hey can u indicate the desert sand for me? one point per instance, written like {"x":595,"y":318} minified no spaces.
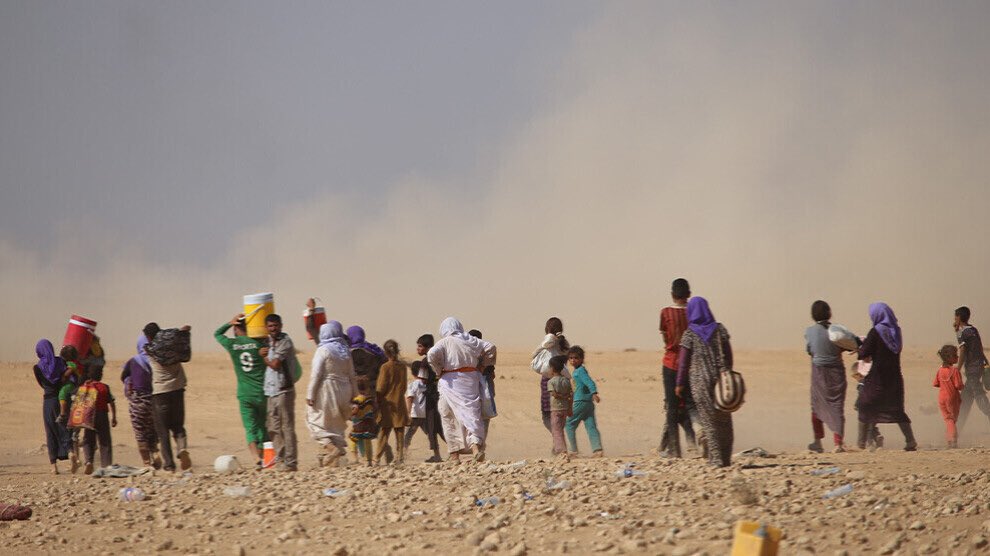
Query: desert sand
{"x":927,"y":502}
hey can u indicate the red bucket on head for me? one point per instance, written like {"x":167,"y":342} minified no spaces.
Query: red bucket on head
{"x":319,"y":319}
{"x":79,"y":334}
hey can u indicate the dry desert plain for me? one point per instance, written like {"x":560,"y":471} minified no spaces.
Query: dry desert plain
{"x":933,"y":501}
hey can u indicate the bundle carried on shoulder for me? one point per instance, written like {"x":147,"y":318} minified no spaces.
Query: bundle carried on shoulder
{"x":842,"y":337}
{"x":170,"y":346}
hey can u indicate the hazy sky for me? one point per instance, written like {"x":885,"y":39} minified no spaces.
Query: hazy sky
{"x":499,"y":162}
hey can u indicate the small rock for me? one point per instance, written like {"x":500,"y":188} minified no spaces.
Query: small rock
{"x":475,"y":538}
{"x":916,"y":526}
{"x":978,"y":542}
{"x":238,"y":550}
{"x":163,"y":546}
{"x":518,"y":550}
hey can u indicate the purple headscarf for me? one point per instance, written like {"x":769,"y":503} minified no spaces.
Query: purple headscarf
{"x":885,"y":323}
{"x":356,"y":335}
{"x":52,"y":367}
{"x":142,"y":357}
{"x":701,"y":321}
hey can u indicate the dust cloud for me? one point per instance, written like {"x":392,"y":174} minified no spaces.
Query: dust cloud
{"x":770,"y":156}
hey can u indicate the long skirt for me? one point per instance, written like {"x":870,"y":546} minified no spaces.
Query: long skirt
{"x":327,"y":418}
{"x":828,"y":396}
{"x":143,"y":421}
{"x":460,"y":406}
{"x":715,"y":424}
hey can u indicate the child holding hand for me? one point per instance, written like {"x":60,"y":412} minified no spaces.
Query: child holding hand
{"x":364,"y":421}
{"x":949,"y":382}
{"x":561,"y":400}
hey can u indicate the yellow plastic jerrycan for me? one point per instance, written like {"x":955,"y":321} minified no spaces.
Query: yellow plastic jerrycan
{"x":755,"y":539}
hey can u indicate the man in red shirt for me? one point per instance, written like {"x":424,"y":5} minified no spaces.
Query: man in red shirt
{"x":673,"y":323}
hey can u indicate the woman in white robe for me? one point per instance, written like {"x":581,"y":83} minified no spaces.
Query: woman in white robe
{"x":332,"y":384}
{"x":455,"y":358}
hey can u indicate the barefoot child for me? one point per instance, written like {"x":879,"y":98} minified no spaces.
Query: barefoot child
{"x":364,"y":421}
{"x":949,"y":383}
{"x":561,"y":397}
{"x":585,"y":398}
{"x":434,"y":428}
{"x":392,"y":413}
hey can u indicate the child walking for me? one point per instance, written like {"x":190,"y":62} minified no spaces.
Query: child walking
{"x":585,"y":398}
{"x":416,"y":406}
{"x":393,"y":415}
{"x":559,"y":388}
{"x":364,"y":421}
{"x":104,"y":417}
{"x":949,"y":382}
{"x":434,"y":429}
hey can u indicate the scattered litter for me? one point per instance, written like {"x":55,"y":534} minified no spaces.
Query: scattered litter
{"x":237,"y":491}
{"x":527,"y":496}
{"x":334,"y":493}
{"x":841,"y":491}
{"x":824,"y":471}
{"x":755,"y":453}
{"x":490,"y":501}
{"x":131,"y":494}
{"x":628,"y":471}
{"x":554,"y":484}
{"x":517,"y":465}
{"x":120,"y":472}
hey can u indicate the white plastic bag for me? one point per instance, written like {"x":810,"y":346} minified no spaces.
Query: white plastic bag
{"x":842,"y":337}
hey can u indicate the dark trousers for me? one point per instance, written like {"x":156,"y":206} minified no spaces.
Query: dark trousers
{"x":434,"y":428}
{"x":973,"y":392}
{"x":678,"y":412}
{"x":56,"y":437}
{"x":170,"y":417}
{"x":101,"y":433}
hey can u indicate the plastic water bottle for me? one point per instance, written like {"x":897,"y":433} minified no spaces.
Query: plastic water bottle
{"x":517,"y":465}
{"x":842,"y":490}
{"x":131,"y":494}
{"x":825,"y":471}
{"x":334,"y":493}
{"x":490,"y":501}
{"x":237,"y":491}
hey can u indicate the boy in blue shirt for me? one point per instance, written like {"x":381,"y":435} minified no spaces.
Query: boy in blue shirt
{"x":585,"y":398}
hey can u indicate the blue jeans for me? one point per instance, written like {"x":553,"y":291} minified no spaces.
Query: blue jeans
{"x":583,"y":411}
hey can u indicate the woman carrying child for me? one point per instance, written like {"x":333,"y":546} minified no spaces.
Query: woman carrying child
{"x":332,"y":385}
{"x":554,"y":345}
{"x":882,"y":397}
{"x":705,"y":350}
{"x":48,"y":372}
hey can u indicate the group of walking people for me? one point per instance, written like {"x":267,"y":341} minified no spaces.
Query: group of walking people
{"x":359,"y":392}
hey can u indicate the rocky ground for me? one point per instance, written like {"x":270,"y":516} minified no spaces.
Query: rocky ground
{"x":935,"y":502}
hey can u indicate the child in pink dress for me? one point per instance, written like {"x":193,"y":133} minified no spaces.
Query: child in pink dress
{"x":949,"y":383}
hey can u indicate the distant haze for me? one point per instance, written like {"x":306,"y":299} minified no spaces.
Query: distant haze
{"x":498,"y":163}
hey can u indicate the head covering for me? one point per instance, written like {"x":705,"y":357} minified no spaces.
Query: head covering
{"x":356,"y":335}
{"x":332,"y":338}
{"x":701,"y":321}
{"x":453,"y":327}
{"x":142,"y":357}
{"x":51,"y":367}
{"x":885,"y":324}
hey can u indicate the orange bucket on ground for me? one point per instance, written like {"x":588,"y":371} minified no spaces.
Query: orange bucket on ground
{"x":268,"y":455}
{"x":79,"y":334}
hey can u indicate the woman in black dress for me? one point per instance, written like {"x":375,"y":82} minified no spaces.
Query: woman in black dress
{"x":882,"y":397}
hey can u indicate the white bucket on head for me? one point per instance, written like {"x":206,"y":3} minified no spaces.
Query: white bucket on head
{"x":257,"y":307}
{"x":226,"y":464}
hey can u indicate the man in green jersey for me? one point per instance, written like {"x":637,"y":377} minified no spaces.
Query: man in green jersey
{"x":249,"y":368}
